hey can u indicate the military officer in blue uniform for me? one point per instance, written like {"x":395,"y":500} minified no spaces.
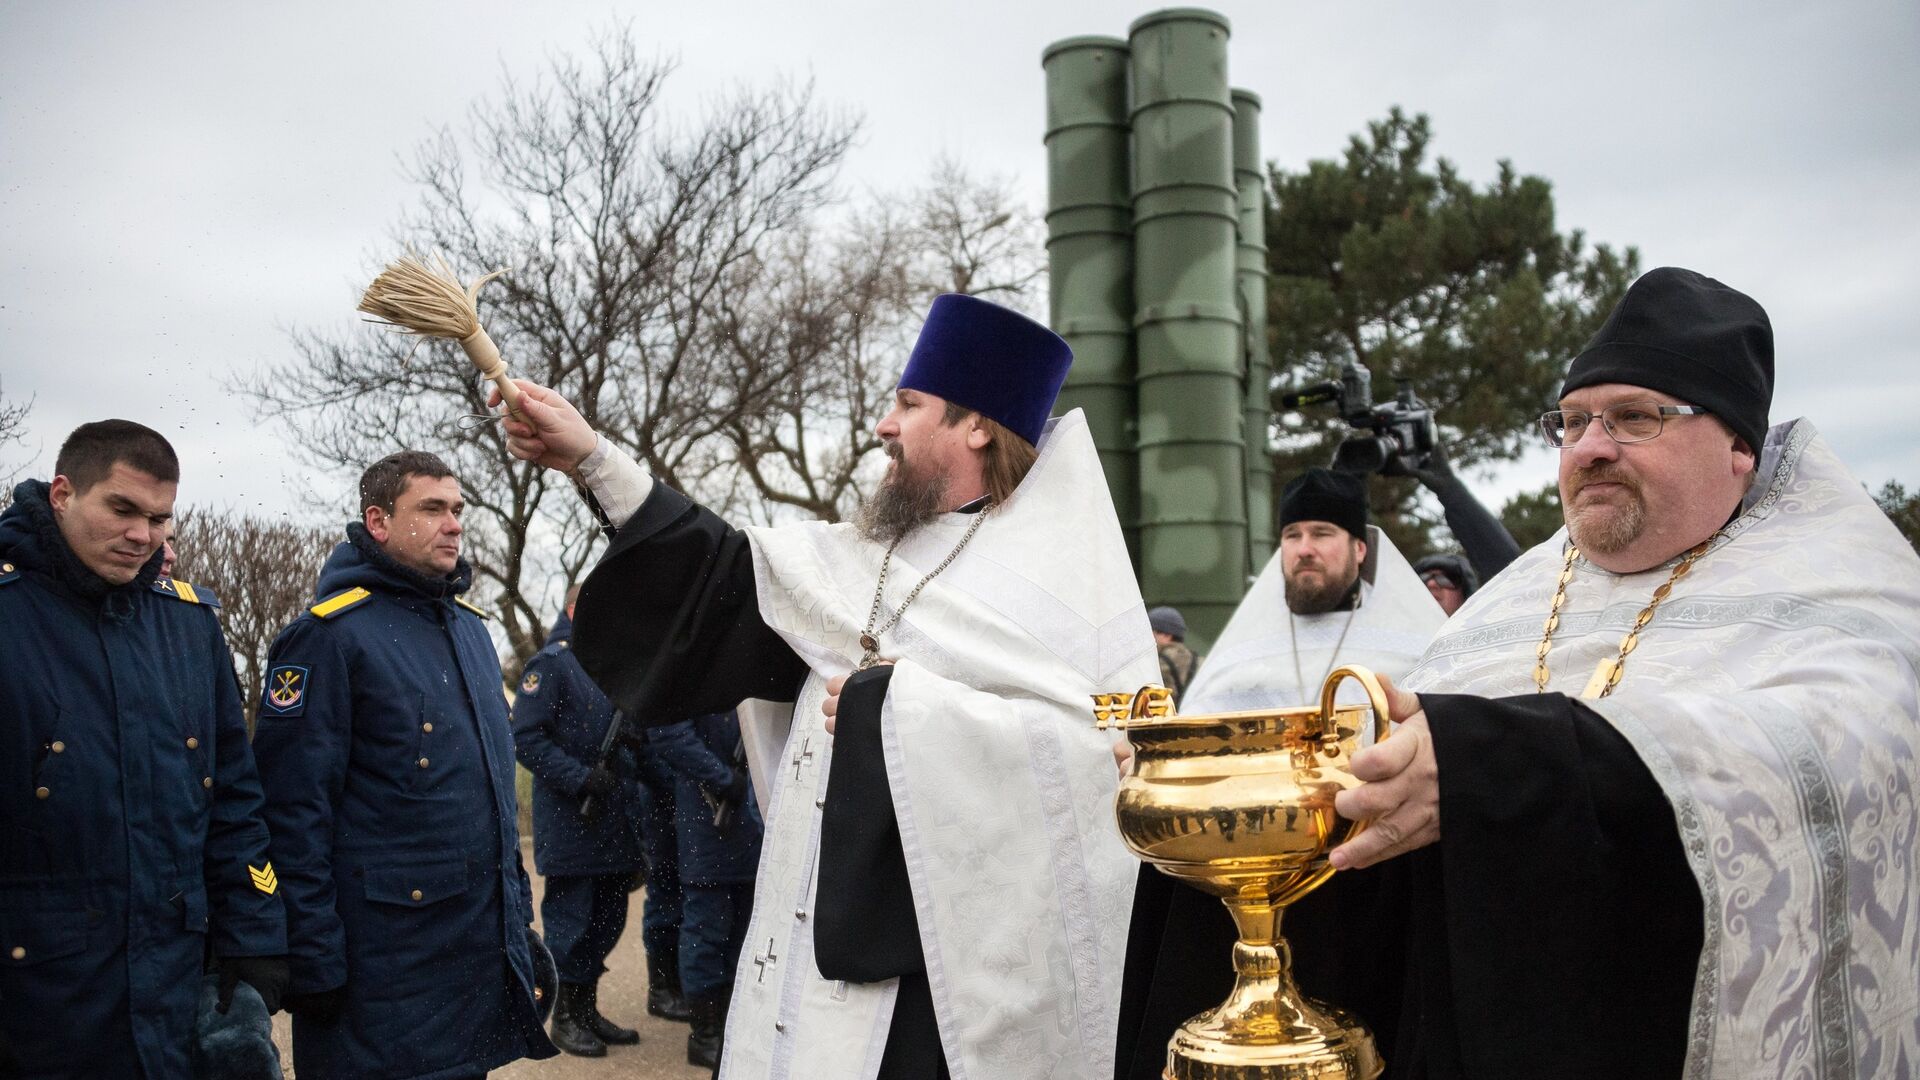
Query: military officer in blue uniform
{"x":560,"y":722}
{"x":718,"y":830}
{"x":388,"y":765}
{"x":131,"y":838}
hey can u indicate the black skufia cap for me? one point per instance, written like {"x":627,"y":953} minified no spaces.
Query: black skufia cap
{"x":1325,"y":495}
{"x":1685,"y":334}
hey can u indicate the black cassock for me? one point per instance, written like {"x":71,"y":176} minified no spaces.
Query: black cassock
{"x":1553,"y":932}
{"x":669,"y":625}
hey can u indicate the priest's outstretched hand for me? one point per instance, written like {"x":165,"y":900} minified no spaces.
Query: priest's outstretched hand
{"x":554,"y":433}
{"x":831,"y":706}
{"x":1401,"y":793}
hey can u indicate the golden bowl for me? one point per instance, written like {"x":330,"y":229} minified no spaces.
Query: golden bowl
{"x":1240,"y":805}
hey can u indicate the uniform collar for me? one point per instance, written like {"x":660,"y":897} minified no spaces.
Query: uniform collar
{"x":362,"y":562}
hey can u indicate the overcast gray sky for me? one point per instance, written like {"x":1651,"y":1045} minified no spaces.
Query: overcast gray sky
{"x":181,"y":182}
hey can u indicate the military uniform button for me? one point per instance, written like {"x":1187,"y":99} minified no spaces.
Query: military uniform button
{"x":41,"y":793}
{"x":801,"y":914}
{"x":57,"y":747}
{"x":423,"y":763}
{"x":206,"y":781}
{"x":19,"y":952}
{"x":193,"y":743}
{"x":416,"y":894}
{"x":6,"y":568}
{"x":779,"y":1025}
{"x":427,"y":727}
{"x":819,"y":804}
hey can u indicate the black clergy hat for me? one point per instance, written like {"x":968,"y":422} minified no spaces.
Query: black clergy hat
{"x":1325,"y":495}
{"x":1685,"y":334}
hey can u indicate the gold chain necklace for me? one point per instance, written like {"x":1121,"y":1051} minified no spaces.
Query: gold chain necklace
{"x":870,"y":637}
{"x":1606,"y":675}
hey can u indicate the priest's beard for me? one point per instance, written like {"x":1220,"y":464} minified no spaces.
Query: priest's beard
{"x":904,"y":502}
{"x":1321,"y":592}
{"x":1605,"y":524}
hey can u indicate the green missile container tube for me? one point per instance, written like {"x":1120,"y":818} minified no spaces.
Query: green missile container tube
{"x":1189,"y":357}
{"x":1090,"y":252}
{"x":1252,"y":280}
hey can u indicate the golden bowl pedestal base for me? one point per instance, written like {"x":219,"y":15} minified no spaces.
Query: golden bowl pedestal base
{"x":1266,"y":1030}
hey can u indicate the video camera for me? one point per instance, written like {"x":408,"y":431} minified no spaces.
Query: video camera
{"x":1398,"y":433}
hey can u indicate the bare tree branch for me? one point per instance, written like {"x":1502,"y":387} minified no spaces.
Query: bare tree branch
{"x":623,"y":233}
{"x":13,"y":429}
{"x":263,"y":573}
{"x":978,"y":237}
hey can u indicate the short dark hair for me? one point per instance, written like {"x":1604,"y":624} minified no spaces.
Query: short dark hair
{"x":91,"y":452}
{"x":385,"y":479}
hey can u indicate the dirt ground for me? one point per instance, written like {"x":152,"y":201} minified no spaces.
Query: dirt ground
{"x":662,"y":1052}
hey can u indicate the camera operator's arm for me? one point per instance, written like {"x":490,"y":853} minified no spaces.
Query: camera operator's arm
{"x":1488,"y":544}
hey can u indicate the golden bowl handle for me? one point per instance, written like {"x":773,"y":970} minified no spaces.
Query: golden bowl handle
{"x":1376,"y":697}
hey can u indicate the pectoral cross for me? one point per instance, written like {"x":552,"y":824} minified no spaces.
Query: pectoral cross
{"x":763,"y":960}
{"x":802,"y":755}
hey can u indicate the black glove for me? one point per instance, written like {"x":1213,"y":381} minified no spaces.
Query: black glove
{"x":322,"y":1007}
{"x":1432,"y":468}
{"x":599,"y":784}
{"x":268,"y":976}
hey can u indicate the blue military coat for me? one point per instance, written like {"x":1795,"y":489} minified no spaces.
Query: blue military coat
{"x":384,"y":747}
{"x":559,"y":720}
{"x":699,"y":755}
{"x":130,"y":827}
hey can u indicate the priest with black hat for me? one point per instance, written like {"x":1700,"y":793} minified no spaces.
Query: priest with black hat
{"x":1649,"y":809}
{"x":942,"y":889}
{"x":1336,"y":592}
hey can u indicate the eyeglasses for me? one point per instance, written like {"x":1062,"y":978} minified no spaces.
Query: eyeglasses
{"x":1628,"y":422}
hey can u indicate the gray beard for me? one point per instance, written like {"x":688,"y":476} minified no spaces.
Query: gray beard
{"x":900,"y":506}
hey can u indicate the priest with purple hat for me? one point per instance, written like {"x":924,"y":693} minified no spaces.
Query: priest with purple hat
{"x":941,"y":891}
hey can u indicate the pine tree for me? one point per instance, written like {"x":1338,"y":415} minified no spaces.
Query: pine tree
{"x":1471,"y":293}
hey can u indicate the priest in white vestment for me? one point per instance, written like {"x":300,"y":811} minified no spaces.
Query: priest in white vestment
{"x":1653,"y":804}
{"x":1336,"y":592}
{"x":942,"y":890}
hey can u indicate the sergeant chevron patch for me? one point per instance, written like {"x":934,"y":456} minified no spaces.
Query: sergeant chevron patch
{"x":264,"y":880}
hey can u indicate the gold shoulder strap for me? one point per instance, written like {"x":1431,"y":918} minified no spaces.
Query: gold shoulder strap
{"x":339,"y":602}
